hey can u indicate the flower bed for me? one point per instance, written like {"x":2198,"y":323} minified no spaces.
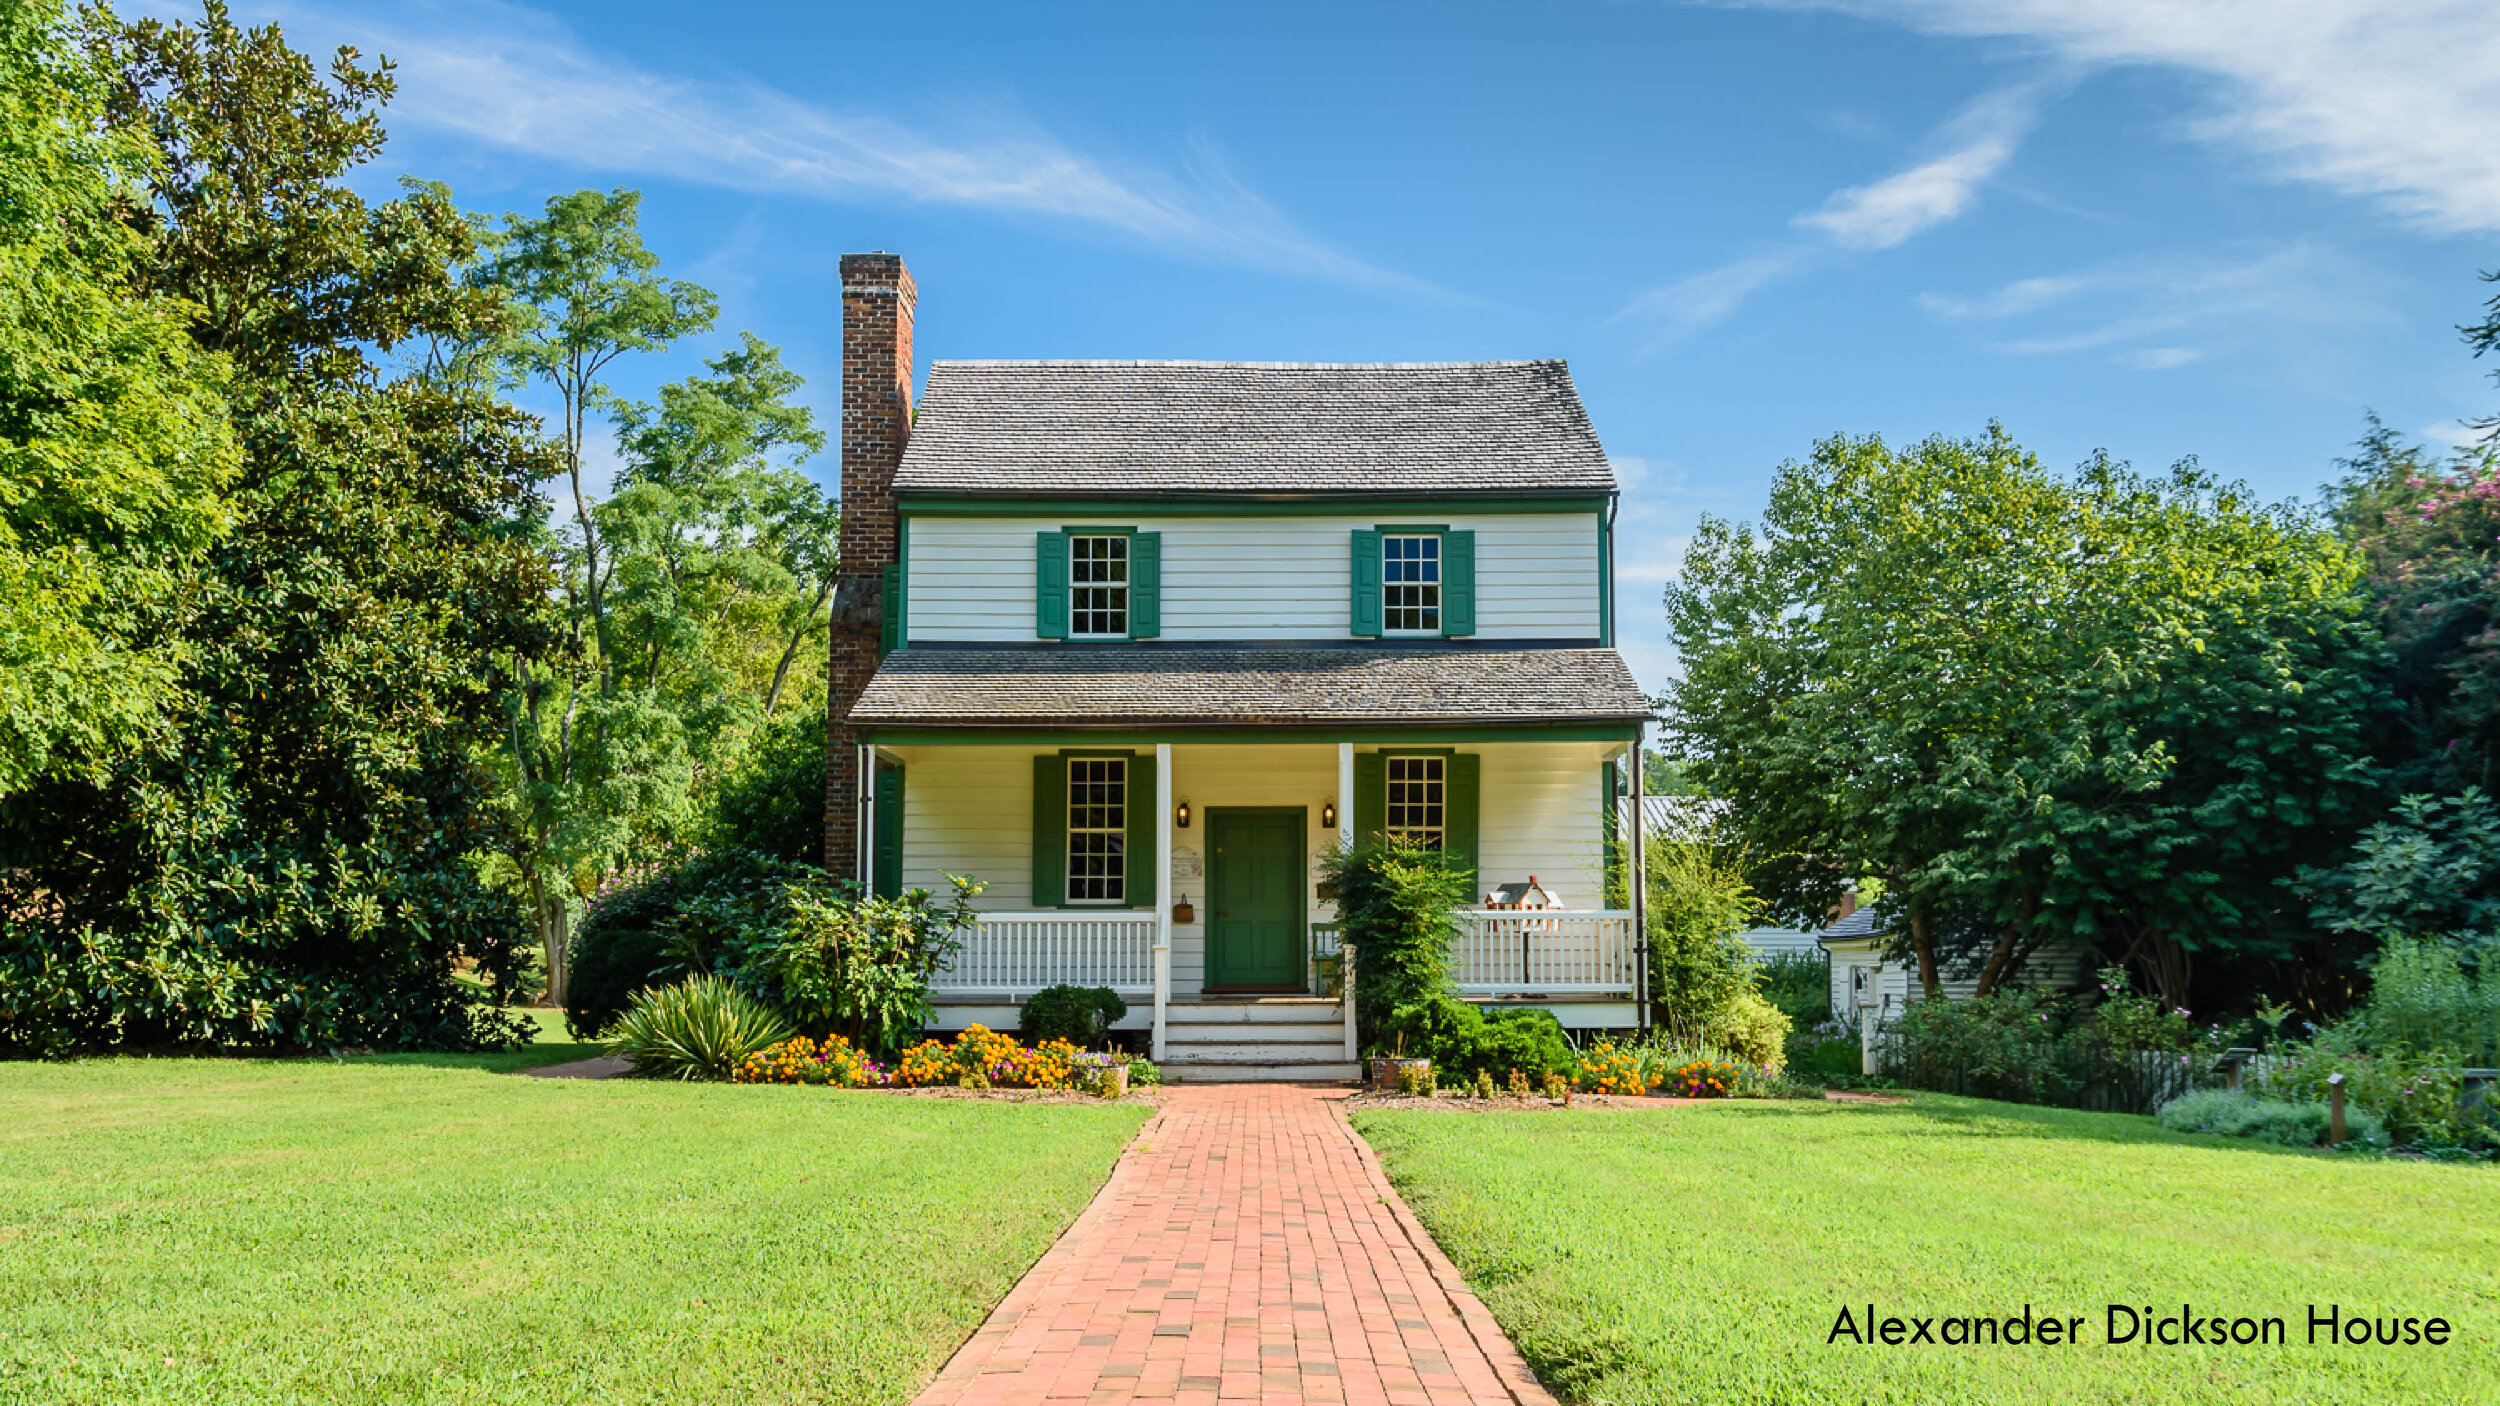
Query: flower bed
{"x":980,"y":1058}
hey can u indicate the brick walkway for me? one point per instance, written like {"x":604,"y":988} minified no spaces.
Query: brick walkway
{"x":1246,"y":1248}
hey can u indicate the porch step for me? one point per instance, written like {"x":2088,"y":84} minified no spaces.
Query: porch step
{"x":1203,"y":1067}
{"x":1180,"y":1025}
{"x":1255,"y":1010}
{"x":1284,"y":1051}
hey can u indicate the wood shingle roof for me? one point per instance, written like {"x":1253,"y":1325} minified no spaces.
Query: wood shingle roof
{"x":1234,"y":686}
{"x":1456,"y":428}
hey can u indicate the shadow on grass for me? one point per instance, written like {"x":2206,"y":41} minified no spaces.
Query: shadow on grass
{"x":533,"y":1056}
{"x":1955,"y":1114}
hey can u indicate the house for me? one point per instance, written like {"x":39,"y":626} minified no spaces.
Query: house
{"x":1137,"y":643}
{"x":1865,"y":980}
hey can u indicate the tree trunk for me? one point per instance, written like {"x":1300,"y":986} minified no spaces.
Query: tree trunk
{"x":555,"y":935}
{"x":1923,"y":942}
{"x":2001,"y":958}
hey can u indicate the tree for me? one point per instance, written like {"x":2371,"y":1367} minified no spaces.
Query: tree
{"x":2429,"y":537}
{"x":114,"y":444}
{"x":2104,"y":708}
{"x":585,"y":285}
{"x":291,"y":865}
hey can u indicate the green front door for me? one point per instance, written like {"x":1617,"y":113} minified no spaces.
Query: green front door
{"x":1254,"y":899}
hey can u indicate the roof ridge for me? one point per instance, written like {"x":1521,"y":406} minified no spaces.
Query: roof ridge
{"x":1252,"y":365}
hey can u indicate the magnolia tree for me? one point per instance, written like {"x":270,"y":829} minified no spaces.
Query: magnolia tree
{"x":2102,"y":707}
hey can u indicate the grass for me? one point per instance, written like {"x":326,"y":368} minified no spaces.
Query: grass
{"x":1704,"y":1253}
{"x":422,"y":1229}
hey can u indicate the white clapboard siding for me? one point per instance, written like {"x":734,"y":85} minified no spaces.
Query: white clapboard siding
{"x":968,"y":811}
{"x":1542,"y":814}
{"x":1891,"y":984}
{"x":1234,"y":578}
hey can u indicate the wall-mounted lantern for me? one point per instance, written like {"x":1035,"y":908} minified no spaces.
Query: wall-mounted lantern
{"x":1180,"y":815}
{"x":1328,"y":815}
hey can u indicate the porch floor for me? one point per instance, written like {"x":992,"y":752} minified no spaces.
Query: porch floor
{"x":1247,"y":1246}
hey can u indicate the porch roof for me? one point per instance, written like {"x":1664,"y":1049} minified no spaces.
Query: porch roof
{"x":1230,"y":686}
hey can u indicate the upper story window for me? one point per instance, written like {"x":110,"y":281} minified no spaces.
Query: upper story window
{"x":1410,"y":584}
{"x":1098,"y":588}
{"x":1097,"y":829}
{"x":1419,"y":800}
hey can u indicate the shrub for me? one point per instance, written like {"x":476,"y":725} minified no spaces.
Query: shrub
{"x":1080,"y":1015}
{"x":1698,"y":902}
{"x":699,"y":914}
{"x":1464,"y":1042}
{"x":1798,"y":985}
{"x":2230,"y":1113}
{"x":1394,"y":902}
{"x":701,"y":1028}
{"x":1142,"y":1073}
{"x":2421,"y":999}
{"x":838,"y":962}
{"x":773,"y":801}
{"x":620,"y":942}
{"x":1750,"y":1029}
{"x":2413,"y":1093}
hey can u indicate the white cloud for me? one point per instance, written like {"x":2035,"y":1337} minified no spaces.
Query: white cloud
{"x":1974,"y":144}
{"x":2398,"y":100}
{"x":2155,"y":314}
{"x":1689,"y":305}
{"x":1978,"y":142}
{"x":511,"y":78}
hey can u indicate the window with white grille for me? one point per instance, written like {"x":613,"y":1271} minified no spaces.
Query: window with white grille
{"x":1098,"y":587}
{"x":1097,"y":829}
{"x":1410,"y":584}
{"x":1418,"y":813}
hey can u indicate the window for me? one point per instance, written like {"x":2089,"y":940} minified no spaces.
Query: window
{"x":1410,"y":584}
{"x":1097,"y":829}
{"x":1098,"y":587}
{"x":1418,"y":809}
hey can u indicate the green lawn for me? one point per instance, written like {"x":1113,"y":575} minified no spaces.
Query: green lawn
{"x":1703,"y":1253}
{"x":424,"y":1229}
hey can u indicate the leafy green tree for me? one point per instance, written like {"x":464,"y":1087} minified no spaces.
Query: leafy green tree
{"x":114,"y":444}
{"x":2433,"y":866}
{"x":2103,"y":708}
{"x":1699,"y":900}
{"x":2429,"y":536}
{"x":292,"y":864}
{"x":588,"y":294}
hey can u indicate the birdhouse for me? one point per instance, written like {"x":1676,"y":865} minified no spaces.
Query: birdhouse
{"x":1530,"y":896}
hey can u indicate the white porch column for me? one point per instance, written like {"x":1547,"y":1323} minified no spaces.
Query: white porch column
{"x":1163,"y":891}
{"x":1639,"y":877}
{"x":1345,"y":794}
{"x":1345,"y":838}
{"x":864,"y":818}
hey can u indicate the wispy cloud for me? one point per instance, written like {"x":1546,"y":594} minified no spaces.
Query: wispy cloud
{"x":1976,"y":144}
{"x":2397,"y":100}
{"x":513,"y":79}
{"x":2156,"y":314}
{"x":1968,"y":150}
{"x":1689,"y":305}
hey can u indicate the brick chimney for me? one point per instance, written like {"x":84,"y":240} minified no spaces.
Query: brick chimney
{"x":877,"y":299}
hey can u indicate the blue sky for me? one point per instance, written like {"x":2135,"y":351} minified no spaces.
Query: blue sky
{"x":2159,"y":227}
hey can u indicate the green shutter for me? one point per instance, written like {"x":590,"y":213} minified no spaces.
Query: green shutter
{"x":1465,"y":779}
{"x":1458,"y":583}
{"x":1050,"y":831}
{"x":887,"y":863}
{"x":1140,"y":866}
{"x":890,"y":632}
{"x":1371,"y":796}
{"x":1365,"y":605}
{"x":1145,"y":585}
{"x":1050,"y":585}
{"x":1610,"y":796}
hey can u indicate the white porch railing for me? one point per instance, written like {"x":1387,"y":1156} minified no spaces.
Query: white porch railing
{"x":1017,"y":954}
{"x":1548,"y":953}
{"x":1551,"y":953}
